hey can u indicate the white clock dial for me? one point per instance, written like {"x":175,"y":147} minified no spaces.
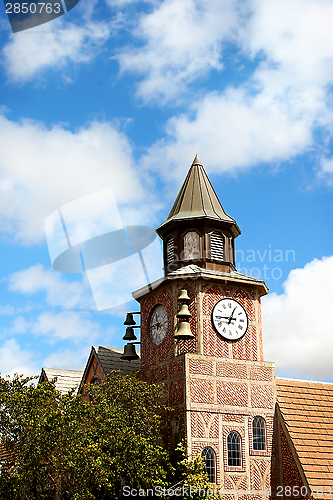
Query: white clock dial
{"x":230,"y":319}
{"x":158,"y":325}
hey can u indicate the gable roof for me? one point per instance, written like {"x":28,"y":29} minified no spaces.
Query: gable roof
{"x":66,"y":379}
{"x":307,"y":411}
{"x":109,"y":359}
{"x":197,"y":199}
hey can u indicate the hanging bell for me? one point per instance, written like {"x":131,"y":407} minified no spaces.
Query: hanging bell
{"x":183,"y":331}
{"x":129,"y":353}
{"x":183,"y":297}
{"x":184,"y":313}
{"x":129,"y":335}
{"x":129,"y":320}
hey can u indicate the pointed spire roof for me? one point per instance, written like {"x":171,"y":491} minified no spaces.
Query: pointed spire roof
{"x":197,"y":199}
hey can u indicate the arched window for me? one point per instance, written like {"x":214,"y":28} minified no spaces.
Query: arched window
{"x":259,"y":433}
{"x":217,"y":246}
{"x":234,"y":449}
{"x":170,"y":250}
{"x":191,"y":246}
{"x":95,"y":381}
{"x":210,"y":463}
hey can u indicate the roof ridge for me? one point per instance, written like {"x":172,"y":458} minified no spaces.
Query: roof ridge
{"x":304,"y":380}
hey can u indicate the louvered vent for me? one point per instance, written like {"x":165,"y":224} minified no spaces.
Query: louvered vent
{"x":170,"y":250}
{"x":217,"y":246}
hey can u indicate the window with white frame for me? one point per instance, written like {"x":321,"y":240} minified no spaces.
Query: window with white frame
{"x":234,"y":447}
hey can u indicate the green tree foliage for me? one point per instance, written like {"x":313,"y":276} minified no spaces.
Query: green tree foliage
{"x":56,"y":446}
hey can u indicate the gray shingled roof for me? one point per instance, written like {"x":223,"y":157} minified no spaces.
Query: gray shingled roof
{"x":66,"y":379}
{"x":193,"y":269}
{"x":109,"y":359}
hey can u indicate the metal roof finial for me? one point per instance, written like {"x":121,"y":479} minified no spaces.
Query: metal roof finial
{"x":196,"y":160}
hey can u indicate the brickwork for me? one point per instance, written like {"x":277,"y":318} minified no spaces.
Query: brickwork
{"x":213,"y":345}
{"x":255,"y":476}
{"x":201,"y":366}
{"x":219,"y":384}
{"x":176,"y":369}
{"x":202,"y":391}
{"x":214,"y":427}
{"x":261,"y":396}
{"x":197,"y":426}
{"x":176,"y":392}
{"x":226,"y":431}
{"x":158,"y":374}
{"x":232,"y":393}
{"x":151,"y":354}
{"x":189,"y":345}
{"x":246,"y":347}
{"x":250,"y":346}
{"x":233,"y":382}
{"x":198,"y":446}
{"x":269,"y":423}
{"x":94,"y":372}
{"x":261,"y":373}
{"x":290,"y":473}
{"x":231,"y":370}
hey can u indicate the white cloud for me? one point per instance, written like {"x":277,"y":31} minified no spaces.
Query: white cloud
{"x":268,"y":117}
{"x":183,"y":41}
{"x":59,"y":291}
{"x":64,"y":326}
{"x":297,"y":324}
{"x":7,"y":309}
{"x":13,"y":359}
{"x":20,"y":325}
{"x":68,"y":359}
{"x":27,"y":54}
{"x":230,"y":131}
{"x":41,"y":169}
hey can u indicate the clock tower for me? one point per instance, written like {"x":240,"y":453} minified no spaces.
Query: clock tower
{"x":217,"y":380}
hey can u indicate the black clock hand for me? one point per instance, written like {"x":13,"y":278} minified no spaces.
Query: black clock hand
{"x":225,"y":317}
{"x":231,"y":316}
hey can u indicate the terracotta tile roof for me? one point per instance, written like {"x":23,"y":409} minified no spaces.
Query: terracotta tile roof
{"x":66,"y":379}
{"x":307,"y":410}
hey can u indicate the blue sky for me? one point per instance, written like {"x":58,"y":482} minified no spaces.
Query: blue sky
{"x":121,"y":95}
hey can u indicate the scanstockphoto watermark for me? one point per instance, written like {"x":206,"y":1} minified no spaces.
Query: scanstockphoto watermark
{"x":255,"y":262}
{"x":189,"y":491}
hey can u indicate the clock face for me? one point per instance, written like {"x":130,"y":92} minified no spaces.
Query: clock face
{"x":158,"y":324}
{"x":229,"y":319}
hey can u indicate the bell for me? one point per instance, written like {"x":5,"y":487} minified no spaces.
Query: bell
{"x":183,"y":297}
{"x":129,"y":353}
{"x":129,"y":335}
{"x":129,"y":320}
{"x":183,"y":331}
{"x":184,"y":313}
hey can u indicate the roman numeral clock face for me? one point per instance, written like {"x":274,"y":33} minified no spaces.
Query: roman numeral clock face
{"x":158,"y":324}
{"x":229,"y":319}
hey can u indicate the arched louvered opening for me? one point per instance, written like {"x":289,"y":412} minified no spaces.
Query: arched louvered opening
{"x":234,"y":449}
{"x":170,"y":250}
{"x":208,"y":454}
{"x":217,"y":246}
{"x":259,"y":433}
{"x":191,"y":246}
{"x":95,"y":381}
